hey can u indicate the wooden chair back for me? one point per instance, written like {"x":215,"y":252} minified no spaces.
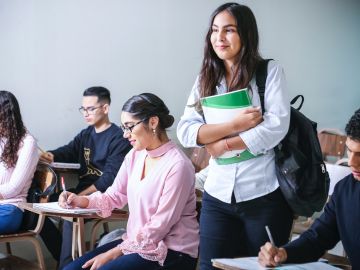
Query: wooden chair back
{"x":43,"y":185}
{"x":199,"y":158}
{"x":332,"y":142}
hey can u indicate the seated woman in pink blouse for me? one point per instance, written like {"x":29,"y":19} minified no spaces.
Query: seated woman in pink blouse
{"x":156,"y":179}
{"x":18,"y":159}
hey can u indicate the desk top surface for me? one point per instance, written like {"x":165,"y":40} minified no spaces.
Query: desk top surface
{"x":117,"y":213}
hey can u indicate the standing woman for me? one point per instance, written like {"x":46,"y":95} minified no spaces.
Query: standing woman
{"x":240,"y":199}
{"x":18,"y":160}
{"x":157,"y":181}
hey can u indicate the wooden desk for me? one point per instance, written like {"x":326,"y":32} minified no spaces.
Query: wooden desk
{"x":78,"y":238}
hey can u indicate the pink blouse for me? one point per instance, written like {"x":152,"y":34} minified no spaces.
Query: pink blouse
{"x":15,"y":182}
{"x":162,"y":205}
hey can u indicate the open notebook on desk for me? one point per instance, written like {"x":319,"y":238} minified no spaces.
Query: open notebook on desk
{"x":62,"y":165}
{"x":251,"y":263}
{"x":55,"y":208}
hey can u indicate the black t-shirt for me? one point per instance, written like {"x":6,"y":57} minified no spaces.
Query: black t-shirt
{"x":100,"y":156}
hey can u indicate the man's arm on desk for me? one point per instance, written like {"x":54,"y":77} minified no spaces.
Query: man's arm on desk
{"x":311,"y":245}
{"x":68,"y":153}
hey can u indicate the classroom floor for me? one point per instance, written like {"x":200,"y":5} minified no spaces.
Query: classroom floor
{"x":17,"y":263}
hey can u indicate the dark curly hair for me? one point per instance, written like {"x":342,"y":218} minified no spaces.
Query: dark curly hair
{"x":12,"y":129}
{"x":353,"y":126}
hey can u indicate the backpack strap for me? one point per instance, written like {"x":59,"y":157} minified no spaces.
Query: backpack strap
{"x":295,"y":99}
{"x":261,"y":75}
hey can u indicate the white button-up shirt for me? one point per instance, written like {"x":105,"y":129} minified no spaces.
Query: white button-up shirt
{"x":254,"y":177}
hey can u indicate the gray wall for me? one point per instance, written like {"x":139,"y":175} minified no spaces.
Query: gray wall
{"x":51,"y":50}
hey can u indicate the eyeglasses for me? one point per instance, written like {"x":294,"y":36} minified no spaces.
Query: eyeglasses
{"x":129,"y":129}
{"x":89,"y":110}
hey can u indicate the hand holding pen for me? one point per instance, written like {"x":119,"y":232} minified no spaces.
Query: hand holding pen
{"x":65,"y":192}
{"x":46,"y":157}
{"x":269,"y":254}
{"x":70,"y":200}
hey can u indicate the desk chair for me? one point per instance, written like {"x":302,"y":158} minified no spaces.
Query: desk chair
{"x":199,"y":158}
{"x":43,"y":184}
{"x":342,"y":162}
{"x":332,"y":143}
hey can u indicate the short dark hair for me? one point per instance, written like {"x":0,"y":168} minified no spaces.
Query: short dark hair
{"x":352,"y":128}
{"x":146,"y":105}
{"x":100,"y":92}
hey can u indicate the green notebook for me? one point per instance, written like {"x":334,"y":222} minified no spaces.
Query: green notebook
{"x":222,"y":108}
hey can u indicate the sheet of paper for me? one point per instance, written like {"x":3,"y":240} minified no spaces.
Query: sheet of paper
{"x":239,"y":263}
{"x":251,"y":263}
{"x":62,"y":165}
{"x":55,"y":207}
{"x":309,"y":266}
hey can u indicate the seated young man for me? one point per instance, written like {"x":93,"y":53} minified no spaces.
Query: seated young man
{"x":339,"y":222}
{"x":100,"y":149}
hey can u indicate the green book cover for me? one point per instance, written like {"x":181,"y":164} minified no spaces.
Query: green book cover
{"x":223,"y":108}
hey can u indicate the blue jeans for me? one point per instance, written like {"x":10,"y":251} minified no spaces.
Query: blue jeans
{"x":174,"y":261}
{"x":10,"y":218}
{"x":238,"y":229}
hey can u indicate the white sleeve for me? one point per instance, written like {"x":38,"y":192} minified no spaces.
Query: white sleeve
{"x":273,"y":129}
{"x":191,"y":120}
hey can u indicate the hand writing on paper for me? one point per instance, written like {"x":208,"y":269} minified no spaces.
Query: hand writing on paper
{"x":72,"y":200}
{"x":103,"y":258}
{"x":246,"y":119}
{"x":270,"y":255}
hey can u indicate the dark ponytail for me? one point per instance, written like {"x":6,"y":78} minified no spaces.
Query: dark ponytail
{"x":146,"y":105}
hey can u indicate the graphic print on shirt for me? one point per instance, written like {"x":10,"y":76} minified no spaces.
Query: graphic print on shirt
{"x":91,"y":170}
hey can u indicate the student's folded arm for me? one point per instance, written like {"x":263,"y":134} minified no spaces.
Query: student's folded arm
{"x":193,"y":131}
{"x":276,"y":117}
{"x":24,"y":170}
{"x":175,"y":195}
{"x":119,"y":147}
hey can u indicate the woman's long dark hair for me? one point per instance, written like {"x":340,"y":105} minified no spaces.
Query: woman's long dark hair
{"x":12,"y":129}
{"x":213,"y":68}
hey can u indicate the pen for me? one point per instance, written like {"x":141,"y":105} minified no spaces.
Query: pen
{"x":270,"y":236}
{"x":41,"y":150}
{"x":64,"y":189}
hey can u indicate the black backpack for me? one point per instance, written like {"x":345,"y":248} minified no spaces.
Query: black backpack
{"x":300,"y":168}
{"x":35,"y":193}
